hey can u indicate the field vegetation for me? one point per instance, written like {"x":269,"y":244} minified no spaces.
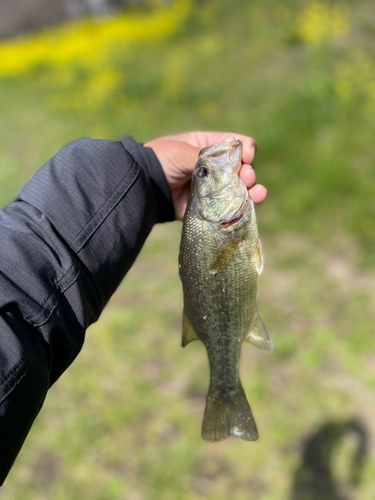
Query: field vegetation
{"x":124,"y":421}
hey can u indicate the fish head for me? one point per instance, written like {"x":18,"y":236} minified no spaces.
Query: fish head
{"x":222,"y":197}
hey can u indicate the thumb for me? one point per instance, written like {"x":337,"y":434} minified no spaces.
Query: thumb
{"x":177,"y":158}
{"x":183,"y":155}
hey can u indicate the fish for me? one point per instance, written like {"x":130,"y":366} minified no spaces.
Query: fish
{"x":220,"y":260}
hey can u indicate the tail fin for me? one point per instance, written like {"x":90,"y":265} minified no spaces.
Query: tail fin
{"x":234,"y":417}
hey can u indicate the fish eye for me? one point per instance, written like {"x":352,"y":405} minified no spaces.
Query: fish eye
{"x":202,"y":172}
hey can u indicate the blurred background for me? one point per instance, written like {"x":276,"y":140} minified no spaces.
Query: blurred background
{"x":124,"y":421}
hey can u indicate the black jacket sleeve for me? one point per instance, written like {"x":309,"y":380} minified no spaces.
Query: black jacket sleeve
{"x":65,"y":245}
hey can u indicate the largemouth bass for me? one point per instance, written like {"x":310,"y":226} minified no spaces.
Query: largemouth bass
{"x":220,"y":260}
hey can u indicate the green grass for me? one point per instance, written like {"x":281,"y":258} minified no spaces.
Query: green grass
{"x":124,"y":421}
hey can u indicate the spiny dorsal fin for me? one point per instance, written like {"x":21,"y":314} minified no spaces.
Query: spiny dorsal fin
{"x":258,"y":334}
{"x":225,"y":254}
{"x":258,"y":254}
{"x":188,"y":332}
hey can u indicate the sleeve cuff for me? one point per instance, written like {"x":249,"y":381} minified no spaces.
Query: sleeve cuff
{"x":147,"y":159}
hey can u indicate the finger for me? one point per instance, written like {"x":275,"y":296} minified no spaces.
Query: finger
{"x":249,"y":149}
{"x":249,"y":146}
{"x":248,"y":176}
{"x":258,"y":193}
{"x":204,"y":139}
{"x":249,"y":153}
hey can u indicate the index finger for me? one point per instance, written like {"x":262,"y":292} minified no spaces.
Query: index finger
{"x":204,"y":139}
{"x":248,"y":143}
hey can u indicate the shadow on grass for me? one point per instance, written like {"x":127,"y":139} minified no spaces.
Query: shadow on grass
{"x":314,"y":478}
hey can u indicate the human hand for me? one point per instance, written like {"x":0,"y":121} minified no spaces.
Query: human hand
{"x":178,"y":155}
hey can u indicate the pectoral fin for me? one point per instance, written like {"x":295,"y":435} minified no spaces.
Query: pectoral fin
{"x":225,"y":254}
{"x":188,"y":332}
{"x":258,"y":255}
{"x":258,"y":334}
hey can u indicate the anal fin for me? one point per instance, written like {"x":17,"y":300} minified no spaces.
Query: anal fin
{"x":258,"y":334}
{"x":188,"y":332}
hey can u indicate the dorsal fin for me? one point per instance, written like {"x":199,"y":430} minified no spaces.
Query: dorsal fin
{"x":188,"y":332}
{"x":258,"y":334}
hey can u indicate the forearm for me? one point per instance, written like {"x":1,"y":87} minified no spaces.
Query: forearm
{"x":67,"y":242}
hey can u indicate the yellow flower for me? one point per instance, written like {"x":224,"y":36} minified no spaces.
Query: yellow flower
{"x":87,"y":40}
{"x":320,"y":22}
{"x":80,"y":59}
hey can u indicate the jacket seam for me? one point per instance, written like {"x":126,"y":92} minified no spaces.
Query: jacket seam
{"x":33,"y":319}
{"x":118,"y":196}
{"x":41,"y":307}
{"x":42,"y":323}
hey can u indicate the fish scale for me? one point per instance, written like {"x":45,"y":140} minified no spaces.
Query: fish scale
{"x":219,"y":264}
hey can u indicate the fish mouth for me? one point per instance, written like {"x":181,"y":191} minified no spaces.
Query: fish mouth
{"x":226,"y":149}
{"x":227,"y":224}
{"x":237,"y":215}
